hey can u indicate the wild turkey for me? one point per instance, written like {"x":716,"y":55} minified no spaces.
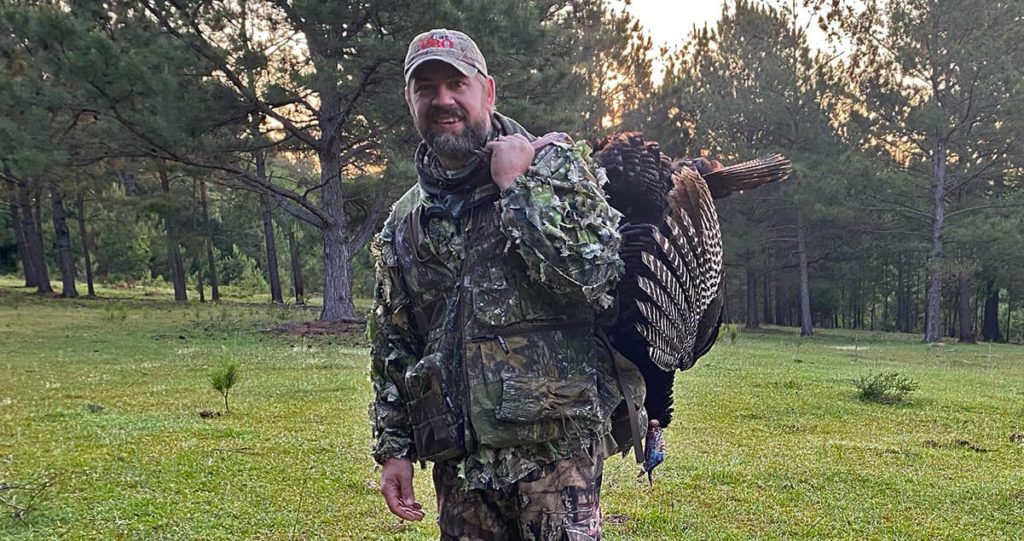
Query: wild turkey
{"x":670,"y":299}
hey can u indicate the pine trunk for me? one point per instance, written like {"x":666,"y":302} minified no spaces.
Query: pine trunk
{"x":902,"y":300}
{"x":338,"y":303}
{"x":752,"y":321}
{"x":211,"y":263}
{"x":990,"y":321}
{"x":977,"y":307}
{"x":951,"y":312}
{"x":129,"y":184}
{"x":909,"y":314}
{"x":805,"y":286}
{"x":886,"y":290}
{"x":199,"y":285}
{"x":177,"y":267}
{"x":843,"y":303}
{"x":781,"y":307}
{"x":27,"y":262}
{"x":65,"y":256}
{"x":337,"y":277}
{"x":966,"y":326}
{"x":933,"y":318}
{"x":273,"y":274}
{"x":860,"y":307}
{"x":33,"y":242}
{"x":83,"y":233}
{"x":173,"y":253}
{"x":1009,"y":313}
{"x":293,"y":250}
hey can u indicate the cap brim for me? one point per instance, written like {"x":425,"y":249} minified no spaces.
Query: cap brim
{"x":463,"y":67}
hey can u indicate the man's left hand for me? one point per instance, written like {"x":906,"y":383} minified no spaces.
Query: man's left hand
{"x":511,"y":156}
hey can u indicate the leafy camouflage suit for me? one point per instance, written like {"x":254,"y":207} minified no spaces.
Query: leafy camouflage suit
{"x":484,"y":353}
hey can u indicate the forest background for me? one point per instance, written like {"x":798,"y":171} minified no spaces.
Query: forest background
{"x":185,"y":141}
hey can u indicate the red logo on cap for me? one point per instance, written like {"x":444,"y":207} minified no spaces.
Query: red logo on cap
{"x":437,"y":43}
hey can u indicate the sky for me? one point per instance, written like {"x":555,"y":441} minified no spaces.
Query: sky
{"x":669,"y":22}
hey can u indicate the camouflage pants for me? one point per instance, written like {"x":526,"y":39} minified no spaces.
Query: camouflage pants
{"x":559,"y":502}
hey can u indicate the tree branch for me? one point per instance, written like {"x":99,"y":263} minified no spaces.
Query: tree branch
{"x":981,"y":207}
{"x":205,"y":50}
{"x":369,"y":225}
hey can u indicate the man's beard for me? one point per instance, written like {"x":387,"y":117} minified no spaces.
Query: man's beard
{"x":453,"y":147}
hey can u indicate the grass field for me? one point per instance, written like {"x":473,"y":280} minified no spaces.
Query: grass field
{"x":771,"y":440}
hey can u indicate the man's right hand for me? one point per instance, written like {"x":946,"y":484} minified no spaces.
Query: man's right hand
{"x":511,"y":156}
{"x":396,"y":486}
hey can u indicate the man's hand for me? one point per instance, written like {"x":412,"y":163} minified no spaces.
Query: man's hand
{"x":396,"y":486}
{"x":511,"y":156}
{"x":705,"y":166}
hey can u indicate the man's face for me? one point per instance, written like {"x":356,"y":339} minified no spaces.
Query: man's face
{"x":451,"y":111}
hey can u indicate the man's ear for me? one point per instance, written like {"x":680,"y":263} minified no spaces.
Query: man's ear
{"x":408,"y":96}
{"x":490,"y":92}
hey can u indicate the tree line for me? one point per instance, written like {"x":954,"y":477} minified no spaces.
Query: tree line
{"x":181,"y":141}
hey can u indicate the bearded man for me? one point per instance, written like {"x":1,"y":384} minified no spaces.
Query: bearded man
{"x":493,"y":272}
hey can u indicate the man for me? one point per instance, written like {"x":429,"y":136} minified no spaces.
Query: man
{"x":492,"y":274}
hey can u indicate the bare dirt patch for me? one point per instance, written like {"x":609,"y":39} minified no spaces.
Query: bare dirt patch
{"x":311,"y":334}
{"x":615,"y":518}
{"x":319,"y":328}
{"x":955,"y":444}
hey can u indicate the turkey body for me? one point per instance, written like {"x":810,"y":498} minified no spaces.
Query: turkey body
{"x":671,"y":297}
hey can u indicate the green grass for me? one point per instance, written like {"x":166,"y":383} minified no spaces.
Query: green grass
{"x":771,"y":440}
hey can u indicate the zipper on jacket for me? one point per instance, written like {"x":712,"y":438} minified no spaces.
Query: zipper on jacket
{"x":470,"y":434}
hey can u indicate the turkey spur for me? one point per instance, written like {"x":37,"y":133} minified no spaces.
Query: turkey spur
{"x":670,"y":298}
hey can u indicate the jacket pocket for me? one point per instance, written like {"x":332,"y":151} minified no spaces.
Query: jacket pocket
{"x":437,"y":426}
{"x":532,"y":399}
{"x":495,"y":299}
{"x":520,"y":396}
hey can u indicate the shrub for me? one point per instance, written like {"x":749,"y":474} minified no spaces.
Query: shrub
{"x":12,"y":301}
{"x":242,"y":273}
{"x":115,"y":312}
{"x":885,"y":388}
{"x":732,"y":330}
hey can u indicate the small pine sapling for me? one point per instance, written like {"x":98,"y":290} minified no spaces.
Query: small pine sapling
{"x":224,"y":379}
{"x":885,"y":388}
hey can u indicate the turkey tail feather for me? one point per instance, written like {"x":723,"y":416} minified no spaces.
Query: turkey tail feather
{"x":748,"y":175}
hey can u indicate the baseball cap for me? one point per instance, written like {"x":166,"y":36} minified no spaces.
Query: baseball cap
{"x":449,"y":46}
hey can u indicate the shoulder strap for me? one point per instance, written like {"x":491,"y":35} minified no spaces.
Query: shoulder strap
{"x":621,"y":363}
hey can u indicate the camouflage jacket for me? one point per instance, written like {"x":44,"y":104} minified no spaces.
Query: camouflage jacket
{"x":483,"y":328}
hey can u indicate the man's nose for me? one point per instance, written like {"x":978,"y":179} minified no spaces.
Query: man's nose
{"x":444,"y":97}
